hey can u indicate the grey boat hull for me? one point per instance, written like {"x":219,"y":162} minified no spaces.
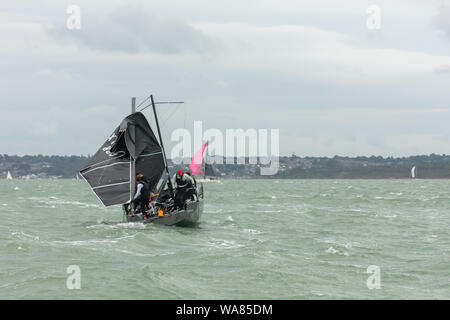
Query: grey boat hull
{"x":188,"y":217}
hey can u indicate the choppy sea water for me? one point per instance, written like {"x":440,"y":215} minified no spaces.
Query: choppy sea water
{"x":258,"y":239}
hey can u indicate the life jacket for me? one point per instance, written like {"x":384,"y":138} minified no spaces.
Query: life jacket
{"x":181,"y":183}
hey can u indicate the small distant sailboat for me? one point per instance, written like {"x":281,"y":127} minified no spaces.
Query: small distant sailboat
{"x":209,"y":172}
{"x":9,"y":176}
{"x":197,"y":162}
{"x":413,"y":172}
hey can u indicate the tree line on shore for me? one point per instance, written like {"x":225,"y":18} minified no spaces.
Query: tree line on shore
{"x":292,"y":167}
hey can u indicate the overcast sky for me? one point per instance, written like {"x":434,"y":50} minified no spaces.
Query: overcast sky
{"x":313,"y":69}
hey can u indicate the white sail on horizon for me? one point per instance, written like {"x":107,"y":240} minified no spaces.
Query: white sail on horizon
{"x":9,"y":176}
{"x":413,"y":172}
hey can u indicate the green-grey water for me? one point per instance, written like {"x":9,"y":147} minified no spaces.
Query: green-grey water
{"x":258,"y":239}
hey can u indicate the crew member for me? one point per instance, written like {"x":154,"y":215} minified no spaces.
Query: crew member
{"x":192,"y":191}
{"x":193,"y":178}
{"x":184,"y":184}
{"x":142,"y":197}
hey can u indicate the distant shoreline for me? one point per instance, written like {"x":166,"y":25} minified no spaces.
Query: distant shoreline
{"x":324,"y":168}
{"x":260,"y":179}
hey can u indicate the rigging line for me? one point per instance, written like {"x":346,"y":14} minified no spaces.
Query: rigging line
{"x":162,"y":102}
{"x":165,"y":130}
{"x":169,"y":102}
{"x":171,"y":115}
{"x":164,"y":127}
{"x":145,"y":107}
{"x":164,"y":113}
{"x":142,"y":102}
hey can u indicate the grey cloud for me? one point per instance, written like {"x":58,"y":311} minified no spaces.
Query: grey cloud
{"x":135,"y":29}
{"x":282,"y":65}
{"x":443,"y":70}
{"x":442,"y":20}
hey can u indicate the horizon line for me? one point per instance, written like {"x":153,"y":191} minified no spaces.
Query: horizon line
{"x":245,"y":157}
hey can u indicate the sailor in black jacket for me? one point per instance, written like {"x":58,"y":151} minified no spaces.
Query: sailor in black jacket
{"x":185,"y":187}
{"x":142,"y":196}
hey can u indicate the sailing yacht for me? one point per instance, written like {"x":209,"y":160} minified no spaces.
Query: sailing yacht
{"x":413,"y":172}
{"x":9,"y":176}
{"x":207,"y":174}
{"x":133,"y":148}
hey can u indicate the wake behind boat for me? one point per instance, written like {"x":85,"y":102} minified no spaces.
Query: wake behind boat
{"x":133,"y":148}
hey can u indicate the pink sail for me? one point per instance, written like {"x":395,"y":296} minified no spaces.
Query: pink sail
{"x":196,"y":162}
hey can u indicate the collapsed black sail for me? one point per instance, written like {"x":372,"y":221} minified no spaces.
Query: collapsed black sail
{"x":108,"y":171}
